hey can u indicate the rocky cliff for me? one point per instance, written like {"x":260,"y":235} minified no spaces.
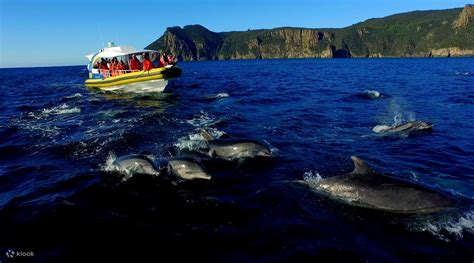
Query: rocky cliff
{"x":465,"y":17}
{"x":415,"y":34}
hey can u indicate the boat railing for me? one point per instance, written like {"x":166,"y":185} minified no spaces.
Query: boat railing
{"x":112,"y":73}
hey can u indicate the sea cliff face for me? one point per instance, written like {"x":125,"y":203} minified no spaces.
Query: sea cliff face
{"x":415,"y":34}
{"x":278,"y":43}
{"x":465,"y":17}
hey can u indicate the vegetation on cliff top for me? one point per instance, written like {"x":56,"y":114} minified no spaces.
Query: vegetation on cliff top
{"x":413,"y":34}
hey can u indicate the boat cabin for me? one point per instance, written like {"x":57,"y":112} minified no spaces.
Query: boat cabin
{"x":116,"y":54}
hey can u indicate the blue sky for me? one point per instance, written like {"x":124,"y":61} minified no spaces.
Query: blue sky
{"x":62,"y":32}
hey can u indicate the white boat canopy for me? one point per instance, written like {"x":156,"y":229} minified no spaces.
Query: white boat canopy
{"x":114,"y":51}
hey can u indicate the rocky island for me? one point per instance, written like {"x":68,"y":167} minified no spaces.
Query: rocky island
{"x":435,"y":33}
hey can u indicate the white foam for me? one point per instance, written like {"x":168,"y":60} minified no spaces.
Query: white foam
{"x":191,"y":142}
{"x":76,"y":95}
{"x":448,"y":227}
{"x":312,"y":178}
{"x":216,"y":134}
{"x":414,"y":177}
{"x":109,"y":165}
{"x":45,"y":129}
{"x":56,"y":110}
{"x":273,"y":150}
{"x":201,"y":120}
{"x":195,"y":141}
{"x":221,"y":95}
{"x":463,"y":73}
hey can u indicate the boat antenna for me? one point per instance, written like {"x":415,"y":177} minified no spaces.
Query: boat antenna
{"x":101,"y":36}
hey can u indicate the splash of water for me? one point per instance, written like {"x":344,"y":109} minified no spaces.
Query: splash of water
{"x":195,"y":141}
{"x":312,"y":178}
{"x":109,"y":165}
{"x":201,"y":120}
{"x":56,"y":110}
{"x":75,"y":95}
{"x":191,"y":142}
{"x":446,"y":227}
{"x":61,"y":109}
{"x":397,"y":120}
{"x":220,"y":95}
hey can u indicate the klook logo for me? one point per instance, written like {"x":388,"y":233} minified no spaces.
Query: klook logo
{"x":10,"y":253}
{"x":19,"y":253}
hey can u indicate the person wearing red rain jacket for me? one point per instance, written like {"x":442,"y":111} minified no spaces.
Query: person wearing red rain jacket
{"x":162,"y":61}
{"x":147,"y":64}
{"x":134,"y":63}
{"x":102,"y":68}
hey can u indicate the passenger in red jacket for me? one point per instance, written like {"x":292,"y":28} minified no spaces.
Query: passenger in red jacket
{"x":162,"y":61}
{"x":171,"y":60}
{"x":134,"y":63}
{"x":103,"y":68}
{"x":147,"y":64}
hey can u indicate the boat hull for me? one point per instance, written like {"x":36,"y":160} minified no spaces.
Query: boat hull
{"x":154,"y":80}
{"x":157,"y":85}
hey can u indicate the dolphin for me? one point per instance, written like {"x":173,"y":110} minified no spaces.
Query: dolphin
{"x":365,"y":188}
{"x":234,"y":148}
{"x":136,"y":164}
{"x":408,"y":127}
{"x":187,"y":169}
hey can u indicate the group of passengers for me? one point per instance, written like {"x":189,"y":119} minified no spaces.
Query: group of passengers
{"x":114,"y":67}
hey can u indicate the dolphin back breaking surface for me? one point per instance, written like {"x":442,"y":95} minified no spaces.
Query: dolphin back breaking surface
{"x":183,"y":168}
{"x":365,"y":188}
{"x":232,"y":148}
{"x":187,"y":169}
{"x":408,"y":127}
{"x":237,"y":148}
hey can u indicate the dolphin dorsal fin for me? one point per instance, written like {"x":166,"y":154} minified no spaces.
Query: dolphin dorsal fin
{"x":361,"y":167}
{"x":206,"y":135}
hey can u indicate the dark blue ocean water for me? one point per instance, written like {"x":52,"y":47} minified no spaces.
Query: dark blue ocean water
{"x":57,"y":138}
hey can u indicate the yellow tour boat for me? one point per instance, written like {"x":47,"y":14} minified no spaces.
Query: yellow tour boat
{"x":154,"y":80}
